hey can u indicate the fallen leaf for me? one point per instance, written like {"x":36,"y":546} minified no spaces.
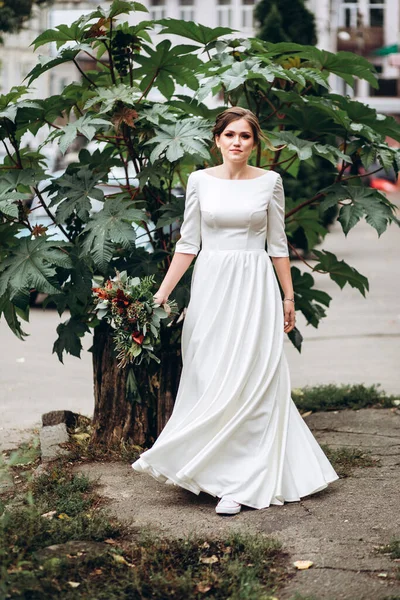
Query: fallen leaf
{"x":383,"y":575}
{"x":120,"y":559}
{"x":228,"y":550}
{"x":74,"y":584}
{"x":63,"y":516}
{"x":306,"y":414}
{"x":49,"y":515}
{"x":209,"y":560}
{"x":110,"y":541}
{"x":303,"y":564}
{"x":203,"y":587}
{"x":80,"y":437}
{"x":205,"y":545}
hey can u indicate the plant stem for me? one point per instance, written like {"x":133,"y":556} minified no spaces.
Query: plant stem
{"x":50,"y":214}
{"x":83,"y":73}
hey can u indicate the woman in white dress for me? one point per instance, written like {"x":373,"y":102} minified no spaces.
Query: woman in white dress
{"x":235,"y":432}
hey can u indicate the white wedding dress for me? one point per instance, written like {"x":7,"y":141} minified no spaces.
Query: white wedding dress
{"x":235,"y":429}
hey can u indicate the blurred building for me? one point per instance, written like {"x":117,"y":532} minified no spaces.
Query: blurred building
{"x":368,"y":27}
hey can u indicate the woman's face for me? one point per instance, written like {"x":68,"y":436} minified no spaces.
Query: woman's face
{"x":236,"y":141}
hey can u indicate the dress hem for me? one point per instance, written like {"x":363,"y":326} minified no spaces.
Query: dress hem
{"x":141,"y":466}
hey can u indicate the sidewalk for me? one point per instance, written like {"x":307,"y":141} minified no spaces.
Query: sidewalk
{"x":339,"y":528}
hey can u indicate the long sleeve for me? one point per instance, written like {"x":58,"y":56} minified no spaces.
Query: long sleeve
{"x":276,"y":237}
{"x":190,"y":240}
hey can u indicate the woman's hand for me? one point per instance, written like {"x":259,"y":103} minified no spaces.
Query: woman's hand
{"x":289,"y":316}
{"x":160,"y":297}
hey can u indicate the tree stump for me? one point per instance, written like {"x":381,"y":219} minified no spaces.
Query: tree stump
{"x":118,"y":416}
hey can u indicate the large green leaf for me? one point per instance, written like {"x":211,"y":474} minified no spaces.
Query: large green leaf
{"x":74,"y":194}
{"x":14,"y":186}
{"x":309,"y":221}
{"x":193,"y":31}
{"x":86,"y":126}
{"x":112,"y":225}
{"x":31,"y":264}
{"x":107,"y":97}
{"x":69,"y":338}
{"x":48,"y":62}
{"x":8,"y":309}
{"x":340,"y":272}
{"x":61,"y":34}
{"x":360,"y":201}
{"x":174,"y":141}
{"x":164,"y":65}
{"x":309,"y":301}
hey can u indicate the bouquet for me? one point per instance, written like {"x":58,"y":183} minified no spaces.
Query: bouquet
{"x":127,"y":304}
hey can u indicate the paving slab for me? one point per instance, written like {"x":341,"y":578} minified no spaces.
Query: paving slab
{"x":339,"y":528}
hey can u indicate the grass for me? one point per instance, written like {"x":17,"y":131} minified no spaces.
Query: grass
{"x":392,"y":549}
{"x":344,"y":459}
{"x":60,"y":507}
{"x":337,"y":397}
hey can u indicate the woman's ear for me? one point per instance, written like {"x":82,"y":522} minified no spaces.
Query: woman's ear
{"x":216,"y":140}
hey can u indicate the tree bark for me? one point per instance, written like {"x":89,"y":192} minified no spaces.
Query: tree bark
{"x":170,"y":372}
{"x":118,"y":416}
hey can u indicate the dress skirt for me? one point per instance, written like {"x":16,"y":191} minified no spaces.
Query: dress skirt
{"x":235,"y":430}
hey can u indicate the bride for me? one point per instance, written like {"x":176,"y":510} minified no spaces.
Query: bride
{"x":235,"y":432}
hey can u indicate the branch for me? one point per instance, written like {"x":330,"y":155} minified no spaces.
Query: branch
{"x":83,"y":73}
{"x":146,"y":91}
{"x":303,"y":204}
{"x":50,"y":214}
{"x":8,"y":152}
{"x":363,"y":175}
{"x":16,"y":148}
{"x":304,"y":260}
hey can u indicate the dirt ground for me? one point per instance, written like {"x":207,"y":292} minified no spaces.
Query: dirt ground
{"x":339,"y":528}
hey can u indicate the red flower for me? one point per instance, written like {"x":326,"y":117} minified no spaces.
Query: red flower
{"x":101,"y":293}
{"x":138,"y":337}
{"x":121,"y":300}
{"x":109,"y":285}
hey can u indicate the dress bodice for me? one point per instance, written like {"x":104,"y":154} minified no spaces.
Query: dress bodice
{"x":231,"y":214}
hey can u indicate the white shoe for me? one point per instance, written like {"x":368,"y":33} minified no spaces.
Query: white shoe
{"x":227,"y":506}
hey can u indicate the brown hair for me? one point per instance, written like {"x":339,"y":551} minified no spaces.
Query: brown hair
{"x":235,"y":113}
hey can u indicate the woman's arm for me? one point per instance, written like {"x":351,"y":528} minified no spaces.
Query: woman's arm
{"x":178,"y":267}
{"x":278,"y":251}
{"x":188,"y":245}
{"x":282,"y":268}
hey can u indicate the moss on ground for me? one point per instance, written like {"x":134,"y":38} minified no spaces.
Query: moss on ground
{"x":338,"y":397}
{"x":345,"y":459}
{"x":61,"y":508}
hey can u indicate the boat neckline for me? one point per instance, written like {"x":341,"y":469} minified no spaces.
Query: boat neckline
{"x":224,"y":179}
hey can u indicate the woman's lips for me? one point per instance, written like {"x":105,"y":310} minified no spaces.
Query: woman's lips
{"x":235,"y":150}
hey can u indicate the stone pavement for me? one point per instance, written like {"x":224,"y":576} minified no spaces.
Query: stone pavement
{"x":339,"y":528}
